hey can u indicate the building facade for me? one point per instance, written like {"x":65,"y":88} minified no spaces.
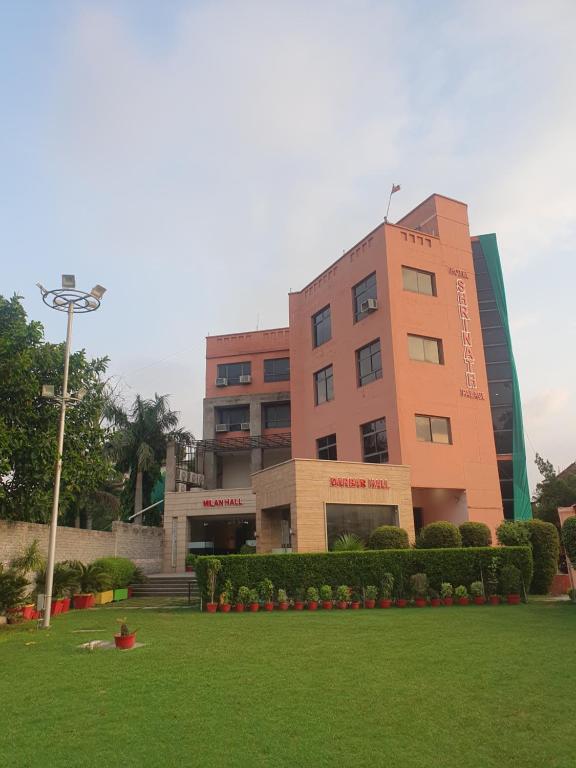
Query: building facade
{"x":384,"y":401}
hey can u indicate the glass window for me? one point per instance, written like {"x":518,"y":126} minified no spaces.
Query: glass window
{"x":277,"y":415}
{"x":490,"y":318}
{"x":322,"y":326}
{"x":233,"y":417}
{"x":324,"y":385}
{"x":326,"y":448}
{"x":497,"y":354}
{"x":360,"y":519}
{"x":418,"y":281}
{"x":375,"y":442}
{"x":502,"y":418}
{"x":505,"y":469}
{"x":369,"y":363}
{"x":277,"y":369}
{"x":483,"y":282}
{"x":493,"y":336}
{"x":503,"y":441}
{"x":361,"y":292}
{"x":500,"y":393}
{"x":433,"y":429}
{"x":233,"y":371}
{"x":425,"y":349}
{"x":498,"y":371}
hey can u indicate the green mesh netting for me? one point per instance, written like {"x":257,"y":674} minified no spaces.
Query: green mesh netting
{"x":522,"y":507}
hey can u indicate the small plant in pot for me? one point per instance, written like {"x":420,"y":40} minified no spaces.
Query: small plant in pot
{"x":370,"y":595}
{"x":461,"y":595}
{"x":477,"y":592}
{"x":312,"y":598}
{"x":419,"y":586}
{"x":266,"y":591}
{"x":435,"y":601}
{"x":299,"y":599}
{"x":213,"y":568}
{"x":254,"y":601}
{"x":283,"y":602}
{"x":343,"y":596}
{"x":190,"y":563}
{"x":226,"y":596}
{"x":355,"y":599}
{"x":13,"y":589}
{"x":242,"y":599}
{"x":510,"y":578}
{"x":401,"y":597}
{"x":326,"y":596}
{"x":90,"y":578}
{"x":492,"y":581}
{"x":447,"y":593}
{"x":125,"y":639}
{"x":386,"y":590}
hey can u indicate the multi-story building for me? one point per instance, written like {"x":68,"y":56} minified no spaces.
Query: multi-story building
{"x":391,"y":398}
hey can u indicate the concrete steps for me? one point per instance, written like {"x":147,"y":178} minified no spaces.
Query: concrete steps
{"x":168,"y":585}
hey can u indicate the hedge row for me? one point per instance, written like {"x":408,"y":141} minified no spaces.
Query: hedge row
{"x":119,"y":570}
{"x":299,"y":571}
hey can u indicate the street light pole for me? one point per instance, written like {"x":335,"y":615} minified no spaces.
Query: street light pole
{"x":66,"y":299}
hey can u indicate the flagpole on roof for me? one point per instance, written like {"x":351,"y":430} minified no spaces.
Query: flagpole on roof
{"x":395,"y":188}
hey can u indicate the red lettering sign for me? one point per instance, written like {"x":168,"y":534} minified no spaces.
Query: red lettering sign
{"x":222,"y":502}
{"x":358,"y":482}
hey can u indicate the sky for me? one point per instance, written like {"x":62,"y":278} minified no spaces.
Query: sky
{"x":201,"y":159}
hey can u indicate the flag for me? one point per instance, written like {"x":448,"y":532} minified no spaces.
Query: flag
{"x":395,"y":188}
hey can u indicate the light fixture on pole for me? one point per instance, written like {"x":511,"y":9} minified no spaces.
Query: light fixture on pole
{"x":67,"y":299}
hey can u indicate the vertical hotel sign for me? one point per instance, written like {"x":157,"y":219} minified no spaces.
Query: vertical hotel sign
{"x":470,"y":378}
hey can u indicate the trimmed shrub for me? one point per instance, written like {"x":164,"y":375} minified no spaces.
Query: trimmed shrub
{"x":299,"y":571}
{"x":439,"y":535}
{"x":475,"y":535}
{"x":119,"y":570}
{"x":545,"y":552}
{"x":388,"y":537}
{"x":511,"y":534}
{"x":569,"y":538}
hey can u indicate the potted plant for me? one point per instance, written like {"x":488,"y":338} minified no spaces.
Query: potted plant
{"x":213,"y":568}
{"x":28,"y":561}
{"x":492,"y":581}
{"x":13,"y":588}
{"x":90,"y":579}
{"x":386,"y":589}
{"x":266,"y":590}
{"x":434,"y":598}
{"x":242,"y":599}
{"x":226,"y":596}
{"x":312,"y":598}
{"x":477,"y":592}
{"x":510,"y":578}
{"x":326,"y":595}
{"x":254,"y":601}
{"x":343,"y":596}
{"x":370,"y":595}
{"x":461,"y":595}
{"x":190,"y":563}
{"x":299,"y":599}
{"x":446,"y":593}
{"x":124,"y":639}
{"x":355,"y":600}
{"x":419,"y":586}
{"x":64,"y":584}
{"x":283,"y":602}
{"x":401,"y":599}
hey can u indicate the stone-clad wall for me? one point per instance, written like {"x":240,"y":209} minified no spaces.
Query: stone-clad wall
{"x":142,"y":544}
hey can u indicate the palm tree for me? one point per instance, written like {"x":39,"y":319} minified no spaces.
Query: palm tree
{"x":139,"y":442}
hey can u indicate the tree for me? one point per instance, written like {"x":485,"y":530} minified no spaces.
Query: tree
{"x":29,"y":423}
{"x":139,"y":445}
{"x":552,"y":492}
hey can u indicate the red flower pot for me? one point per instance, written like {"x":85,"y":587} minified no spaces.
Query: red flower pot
{"x":298,"y":605}
{"x":66,"y":604}
{"x":225,"y":607}
{"x":420,"y":602}
{"x":124,"y":642}
{"x":28,"y":612}
{"x":189,"y":568}
{"x":254,"y":607}
{"x":342,"y":605}
{"x":463,"y":600}
{"x":312,"y":605}
{"x":130,"y":591}
{"x":283,"y":606}
{"x":448,"y":600}
{"x":384,"y":602}
{"x":401,"y":603}
{"x":211,"y":607}
{"x":268,"y":606}
{"x":494,"y":599}
{"x":239,"y":607}
{"x":435,"y":602}
{"x":327,"y":605}
{"x":83,"y":601}
{"x":513,"y":599}
{"x":56,"y":607}
{"x":355,"y":605}
{"x":479,"y":600}
{"x":369,"y":603}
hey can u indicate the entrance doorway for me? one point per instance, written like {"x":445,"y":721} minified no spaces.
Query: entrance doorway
{"x":219,"y":535}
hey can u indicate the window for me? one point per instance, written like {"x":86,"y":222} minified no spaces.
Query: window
{"x":277,"y":415}
{"x":493,"y":336}
{"x":324,"y":385}
{"x":326,"y":448}
{"x":424,"y":349}
{"x":360,"y":519}
{"x":277,"y":369}
{"x":500,"y":392}
{"x":322,"y":326}
{"x":233,"y":371}
{"x":361,"y":292}
{"x":369,"y":363}
{"x":497,"y":354}
{"x":233,"y":417}
{"x":375,"y":442}
{"x":433,"y":429}
{"x":418,"y":281}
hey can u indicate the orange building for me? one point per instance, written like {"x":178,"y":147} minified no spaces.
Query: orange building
{"x":377,"y":404}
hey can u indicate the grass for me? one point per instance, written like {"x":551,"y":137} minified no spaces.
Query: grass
{"x":449,"y":687}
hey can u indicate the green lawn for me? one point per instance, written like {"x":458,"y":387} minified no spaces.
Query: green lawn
{"x":427,"y":688}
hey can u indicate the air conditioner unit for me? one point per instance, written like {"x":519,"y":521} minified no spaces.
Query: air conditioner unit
{"x":221,"y":427}
{"x":247,"y":379}
{"x":245,"y":426}
{"x":369,"y":305}
{"x":221,"y":382}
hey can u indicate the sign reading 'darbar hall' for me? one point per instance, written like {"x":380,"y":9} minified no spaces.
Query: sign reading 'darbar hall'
{"x":358,"y":482}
